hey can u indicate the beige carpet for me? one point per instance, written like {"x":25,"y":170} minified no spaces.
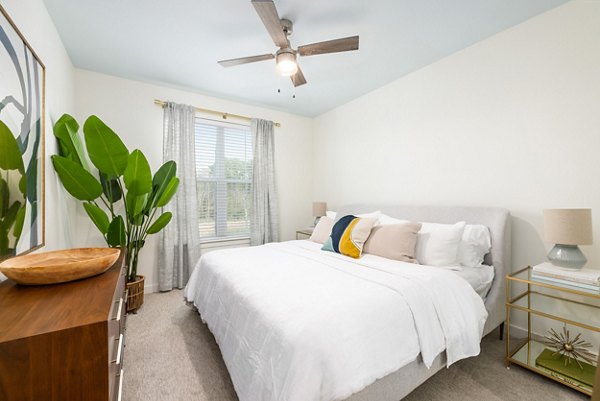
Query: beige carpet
{"x":171,"y":356}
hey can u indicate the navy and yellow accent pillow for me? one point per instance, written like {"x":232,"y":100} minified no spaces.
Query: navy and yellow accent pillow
{"x":348,"y":236}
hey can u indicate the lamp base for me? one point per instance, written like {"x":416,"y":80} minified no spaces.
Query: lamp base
{"x":316,"y":221}
{"x":567,"y":256}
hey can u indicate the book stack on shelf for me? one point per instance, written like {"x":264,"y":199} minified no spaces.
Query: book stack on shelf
{"x":580,"y":374}
{"x":582,"y":279}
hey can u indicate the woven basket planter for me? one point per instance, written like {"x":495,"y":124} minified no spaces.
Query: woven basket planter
{"x":135,"y":294}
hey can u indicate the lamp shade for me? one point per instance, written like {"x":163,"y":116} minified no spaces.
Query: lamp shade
{"x":568,"y":226}
{"x":319,"y":209}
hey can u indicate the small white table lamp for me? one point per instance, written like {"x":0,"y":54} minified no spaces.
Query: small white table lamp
{"x":567,"y":228}
{"x":319,"y":210}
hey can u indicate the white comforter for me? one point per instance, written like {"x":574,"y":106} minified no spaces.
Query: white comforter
{"x":298,"y":324}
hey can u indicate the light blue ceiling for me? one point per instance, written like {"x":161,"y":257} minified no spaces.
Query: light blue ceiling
{"x":178,"y":43}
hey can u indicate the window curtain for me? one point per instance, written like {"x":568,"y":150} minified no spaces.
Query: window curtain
{"x":179,"y":247}
{"x":264,"y":221}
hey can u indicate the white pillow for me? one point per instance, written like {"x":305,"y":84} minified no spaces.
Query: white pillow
{"x":376,"y":215}
{"x":331,"y":214}
{"x":475,"y":244}
{"x":472,"y":248}
{"x":437,"y":244}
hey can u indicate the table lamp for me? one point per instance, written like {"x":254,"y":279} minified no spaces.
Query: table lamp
{"x":319,"y":210}
{"x":568,"y":228}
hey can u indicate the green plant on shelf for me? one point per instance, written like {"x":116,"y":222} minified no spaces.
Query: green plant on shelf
{"x":124,"y":200}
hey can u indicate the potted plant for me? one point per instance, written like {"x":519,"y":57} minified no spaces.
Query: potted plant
{"x":123,"y":201}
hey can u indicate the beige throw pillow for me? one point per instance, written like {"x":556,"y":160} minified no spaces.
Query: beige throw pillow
{"x":322,"y":231}
{"x":394,"y":241}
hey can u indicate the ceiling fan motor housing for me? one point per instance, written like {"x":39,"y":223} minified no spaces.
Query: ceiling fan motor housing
{"x":288,"y":26}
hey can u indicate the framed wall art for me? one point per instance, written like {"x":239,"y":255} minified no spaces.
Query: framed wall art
{"x":22,"y":77}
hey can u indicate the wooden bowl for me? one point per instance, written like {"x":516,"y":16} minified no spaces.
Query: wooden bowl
{"x":59,"y":266}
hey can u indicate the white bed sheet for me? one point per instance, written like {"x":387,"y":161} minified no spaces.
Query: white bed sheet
{"x":480,"y":278}
{"x":298,"y":324}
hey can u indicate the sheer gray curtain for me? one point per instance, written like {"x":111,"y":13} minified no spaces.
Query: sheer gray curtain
{"x":264,"y":221}
{"x":179,"y":242}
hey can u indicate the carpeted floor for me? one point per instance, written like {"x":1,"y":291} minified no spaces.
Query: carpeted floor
{"x":171,"y":356}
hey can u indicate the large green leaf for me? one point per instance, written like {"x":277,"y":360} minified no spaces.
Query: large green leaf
{"x":160,"y":223}
{"x":162,"y":178}
{"x":110,"y":187}
{"x":76,"y":180}
{"x":135,"y":205}
{"x":66,"y":130}
{"x":116,"y":235}
{"x":169,"y":192}
{"x":137,"y":175}
{"x":98,"y":216}
{"x":106,"y":150}
{"x":10,"y":155}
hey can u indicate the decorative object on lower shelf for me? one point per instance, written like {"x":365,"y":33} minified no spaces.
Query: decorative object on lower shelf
{"x":59,"y":266}
{"x":569,"y":349}
{"x":554,"y":362}
{"x":135,"y":294}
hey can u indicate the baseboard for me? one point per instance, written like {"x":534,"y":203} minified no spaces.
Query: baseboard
{"x":518,"y":331}
{"x":521,"y":332}
{"x":150,"y":288}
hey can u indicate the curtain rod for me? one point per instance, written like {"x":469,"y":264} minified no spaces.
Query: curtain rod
{"x":224,"y":115}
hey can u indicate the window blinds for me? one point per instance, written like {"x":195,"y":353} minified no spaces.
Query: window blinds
{"x":224,"y":178}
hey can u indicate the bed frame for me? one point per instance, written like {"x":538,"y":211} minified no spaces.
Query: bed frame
{"x":397,"y":385}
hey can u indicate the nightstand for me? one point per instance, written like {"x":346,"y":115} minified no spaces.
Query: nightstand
{"x":304,"y":233}
{"x":545,"y":306}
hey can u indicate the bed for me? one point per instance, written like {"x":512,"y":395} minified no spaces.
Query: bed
{"x":296,"y":323}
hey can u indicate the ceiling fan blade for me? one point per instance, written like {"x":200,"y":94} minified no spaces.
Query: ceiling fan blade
{"x":298,"y":78}
{"x":268,"y":14}
{"x":330,"y":46}
{"x":245,"y":60}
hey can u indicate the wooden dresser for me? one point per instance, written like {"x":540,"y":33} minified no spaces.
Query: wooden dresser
{"x":63,"y":342}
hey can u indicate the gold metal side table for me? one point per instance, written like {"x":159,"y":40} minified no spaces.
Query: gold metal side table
{"x":557,"y":302}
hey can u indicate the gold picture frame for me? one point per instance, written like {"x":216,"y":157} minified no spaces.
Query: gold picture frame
{"x":22,"y":169}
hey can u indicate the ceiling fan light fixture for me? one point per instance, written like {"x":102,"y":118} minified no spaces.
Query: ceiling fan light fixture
{"x":286,"y":64}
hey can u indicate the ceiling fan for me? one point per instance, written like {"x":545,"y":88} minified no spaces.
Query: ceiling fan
{"x":286,"y":56}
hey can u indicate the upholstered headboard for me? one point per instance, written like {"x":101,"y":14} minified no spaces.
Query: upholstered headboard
{"x":496,"y":219}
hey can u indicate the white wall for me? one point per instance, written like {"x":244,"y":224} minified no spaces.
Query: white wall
{"x":128,"y":107}
{"x":33,"y":20}
{"x":512,"y":121}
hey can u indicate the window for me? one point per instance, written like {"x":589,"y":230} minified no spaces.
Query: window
{"x":224,"y":178}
